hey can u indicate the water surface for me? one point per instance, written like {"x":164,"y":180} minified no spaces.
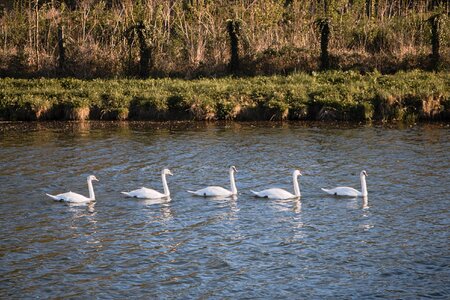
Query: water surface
{"x":394,"y":246}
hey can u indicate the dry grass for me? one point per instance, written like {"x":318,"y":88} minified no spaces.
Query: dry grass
{"x":188,"y":38}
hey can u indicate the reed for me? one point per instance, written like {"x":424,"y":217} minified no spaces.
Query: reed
{"x":189,"y":39}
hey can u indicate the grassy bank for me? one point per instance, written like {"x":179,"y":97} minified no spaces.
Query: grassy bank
{"x":332,"y":95}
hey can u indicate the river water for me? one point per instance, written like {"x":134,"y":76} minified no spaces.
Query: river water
{"x":396,"y":245}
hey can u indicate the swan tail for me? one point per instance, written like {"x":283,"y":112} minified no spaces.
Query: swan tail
{"x":192,"y":192}
{"x":126,"y":194}
{"x":326,"y":191}
{"x":255,"y":193}
{"x":53,"y":197}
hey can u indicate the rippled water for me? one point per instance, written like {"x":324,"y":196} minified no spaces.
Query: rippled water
{"x":397,"y":246}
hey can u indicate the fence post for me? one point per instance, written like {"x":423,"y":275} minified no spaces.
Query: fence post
{"x":233,"y":28}
{"x":324,"y":28}
{"x":435,"y":22}
{"x":61,"y":48}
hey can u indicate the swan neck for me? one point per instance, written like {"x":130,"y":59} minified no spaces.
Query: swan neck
{"x":91,"y":190}
{"x":296,"y":186}
{"x":232,"y":183}
{"x":165,"y":186}
{"x":363,"y":186}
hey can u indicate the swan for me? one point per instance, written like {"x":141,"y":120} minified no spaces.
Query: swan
{"x":145,"y":193}
{"x":217,"y":191}
{"x":280,"y":194}
{"x":348,"y":191}
{"x":77,"y":198}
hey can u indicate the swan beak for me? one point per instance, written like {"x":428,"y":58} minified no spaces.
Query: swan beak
{"x":95,"y":179}
{"x":170,"y":173}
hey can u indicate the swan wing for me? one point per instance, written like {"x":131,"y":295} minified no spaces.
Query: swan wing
{"x":343,"y":191}
{"x":212,"y":191}
{"x":70,"y":197}
{"x":274,"y":193}
{"x":144,"y":193}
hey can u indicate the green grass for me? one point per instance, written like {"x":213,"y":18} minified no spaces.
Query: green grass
{"x":334,"y":95}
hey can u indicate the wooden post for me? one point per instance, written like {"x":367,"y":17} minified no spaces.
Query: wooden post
{"x":324,"y":27}
{"x":61,"y":48}
{"x":435,"y":22}
{"x":36,"y":8}
{"x":233,"y":28}
{"x":144,"y":51}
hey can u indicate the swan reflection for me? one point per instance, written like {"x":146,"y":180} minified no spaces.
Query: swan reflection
{"x":84,"y":219}
{"x":165,"y":207}
{"x":297,"y":206}
{"x":224,"y":199}
{"x":149,"y":202}
{"x":294,"y":205}
{"x":365,"y":204}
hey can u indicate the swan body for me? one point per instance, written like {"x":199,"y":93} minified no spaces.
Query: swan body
{"x":212,"y":191}
{"x":274,"y":193}
{"x":77,"y":198}
{"x":145,"y":193}
{"x":280,"y":194}
{"x":343,"y":191}
{"x":348,"y":191}
{"x":217,"y":191}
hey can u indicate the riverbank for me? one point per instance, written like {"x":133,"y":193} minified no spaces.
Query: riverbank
{"x":334,"y":95}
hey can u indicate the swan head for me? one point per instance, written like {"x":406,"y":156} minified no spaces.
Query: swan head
{"x":167,"y":172}
{"x":233,"y":169}
{"x":91,"y":178}
{"x":297,"y":173}
{"x":363,"y":173}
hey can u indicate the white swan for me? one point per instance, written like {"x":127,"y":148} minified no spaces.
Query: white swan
{"x":145,"y":193}
{"x":77,"y":198}
{"x":348,"y":191}
{"x":280,"y":194}
{"x":217,"y":191}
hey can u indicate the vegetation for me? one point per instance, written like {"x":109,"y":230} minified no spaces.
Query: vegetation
{"x":331,"y":95}
{"x":198,"y":38}
{"x":212,"y":39}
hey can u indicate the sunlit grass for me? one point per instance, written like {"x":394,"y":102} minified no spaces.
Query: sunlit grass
{"x":333,"y":95}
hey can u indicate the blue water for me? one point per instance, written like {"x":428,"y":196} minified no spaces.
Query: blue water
{"x":394,"y":246}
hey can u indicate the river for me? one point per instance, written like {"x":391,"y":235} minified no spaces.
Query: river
{"x":395,"y":245}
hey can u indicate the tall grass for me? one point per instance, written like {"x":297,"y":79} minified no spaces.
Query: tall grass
{"x":329,"y":95}
{"x":188,"y":38}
